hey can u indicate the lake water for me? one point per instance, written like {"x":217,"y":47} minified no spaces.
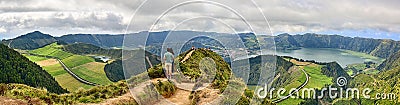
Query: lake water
{"x":325,"y":55}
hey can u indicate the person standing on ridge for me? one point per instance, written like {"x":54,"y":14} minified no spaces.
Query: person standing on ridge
{"x":168,"y":60}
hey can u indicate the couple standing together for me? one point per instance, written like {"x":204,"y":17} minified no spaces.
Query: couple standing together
{"x":168,"y":62}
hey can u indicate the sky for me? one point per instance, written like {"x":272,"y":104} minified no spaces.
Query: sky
{"x":355,"y":18}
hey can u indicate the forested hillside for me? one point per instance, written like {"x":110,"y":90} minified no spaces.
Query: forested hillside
{"x":101,"y":40}
{"x":85,"y":49}
{"x":391,"y":62}
{"x":376,"y":47}
{"x":115,"y":70}
{"x":30,"y":41}
{"x":15,"y":68}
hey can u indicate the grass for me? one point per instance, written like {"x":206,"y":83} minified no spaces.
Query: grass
{"x":77,"y":60}
{"x":350,"y":72}
{"x":35,"y":58}
{"x":291,"y":101}
{"x":84,"y":66}
{"x":93,"y":72}
{"x":317,"y":79}
{"x":41,"y":96}
{"x":363,"y":55}
{"x":64,"y":79}
{"x":52,"y":50}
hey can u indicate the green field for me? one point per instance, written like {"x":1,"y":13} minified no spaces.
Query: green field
{"x":64,"y":79}
{"x":52,"y":50}
{"x":317,"y":79}
{"x":35,"y":58}
{"x":291,"y":101}
{"x":363,"y":55}
{"x":77,"y":60}
{"x":93,"y":72}
{"x":83,"y":66}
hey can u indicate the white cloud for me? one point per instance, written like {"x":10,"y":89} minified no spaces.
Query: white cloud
{"x":2,"y":29}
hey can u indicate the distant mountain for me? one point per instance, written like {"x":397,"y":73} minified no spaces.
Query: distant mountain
{"x":30,"y":41}
{"x":286,"y":42}
{"x":85,"y":49}
{"x":391,"y":62}
{"x":15,"y":68}
{"x":376,"y":47}
{"x":101,"y":40}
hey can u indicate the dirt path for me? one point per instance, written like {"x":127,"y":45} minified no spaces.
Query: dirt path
{"x":181,"y":97}
{"x":9,"y":101}
{"x":187,"y":56}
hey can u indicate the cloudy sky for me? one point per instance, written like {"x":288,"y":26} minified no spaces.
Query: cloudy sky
{"x":375,"y":19}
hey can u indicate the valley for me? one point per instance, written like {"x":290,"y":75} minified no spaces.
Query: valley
{"x":84,"y":67}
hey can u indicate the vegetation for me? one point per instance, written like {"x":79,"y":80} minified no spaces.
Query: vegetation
{"x":77,"y":60}
{"x":363,"y":55}
{"x":16,"y":68}
{"x":94,"y":95}
{"x":191,"y":66}
{"x":392,"y":62}
{"x":53,"y":50}
{"x":334,"y":70}
{"x":30,"y":41}
{"x":93,"y":72}
{"x":165,"y":88}
{"x":35,"y":58}
{"x":83,"y":66}
{"x":317,"y":80}
{"x":115,"y":72}
{"x":64,"y":78}
{"x":366,"y":67}
{"x":89,"y":49}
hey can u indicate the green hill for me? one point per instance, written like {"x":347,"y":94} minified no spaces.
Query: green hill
{"x":391,"y":62}
{"x":16,"y":68}
{"x":30,"y":41}
{"x":94,"y":95}
{"x":385,"y":82}
{"x":89,"y":49}
{"x":115,"y":70}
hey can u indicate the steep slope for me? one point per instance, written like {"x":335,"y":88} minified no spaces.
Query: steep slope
{"x":115,"y":70}
{"x":333,"y":69}
{"x":386,"y":85}
{"x":286,"y":42}
{"x":101,"y":40}
{"x":16,"y":68}
{"x":391,"y":62}
{"x":282,"y":67}
{"x":85,"y":49}
{"x":30,"y":41}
